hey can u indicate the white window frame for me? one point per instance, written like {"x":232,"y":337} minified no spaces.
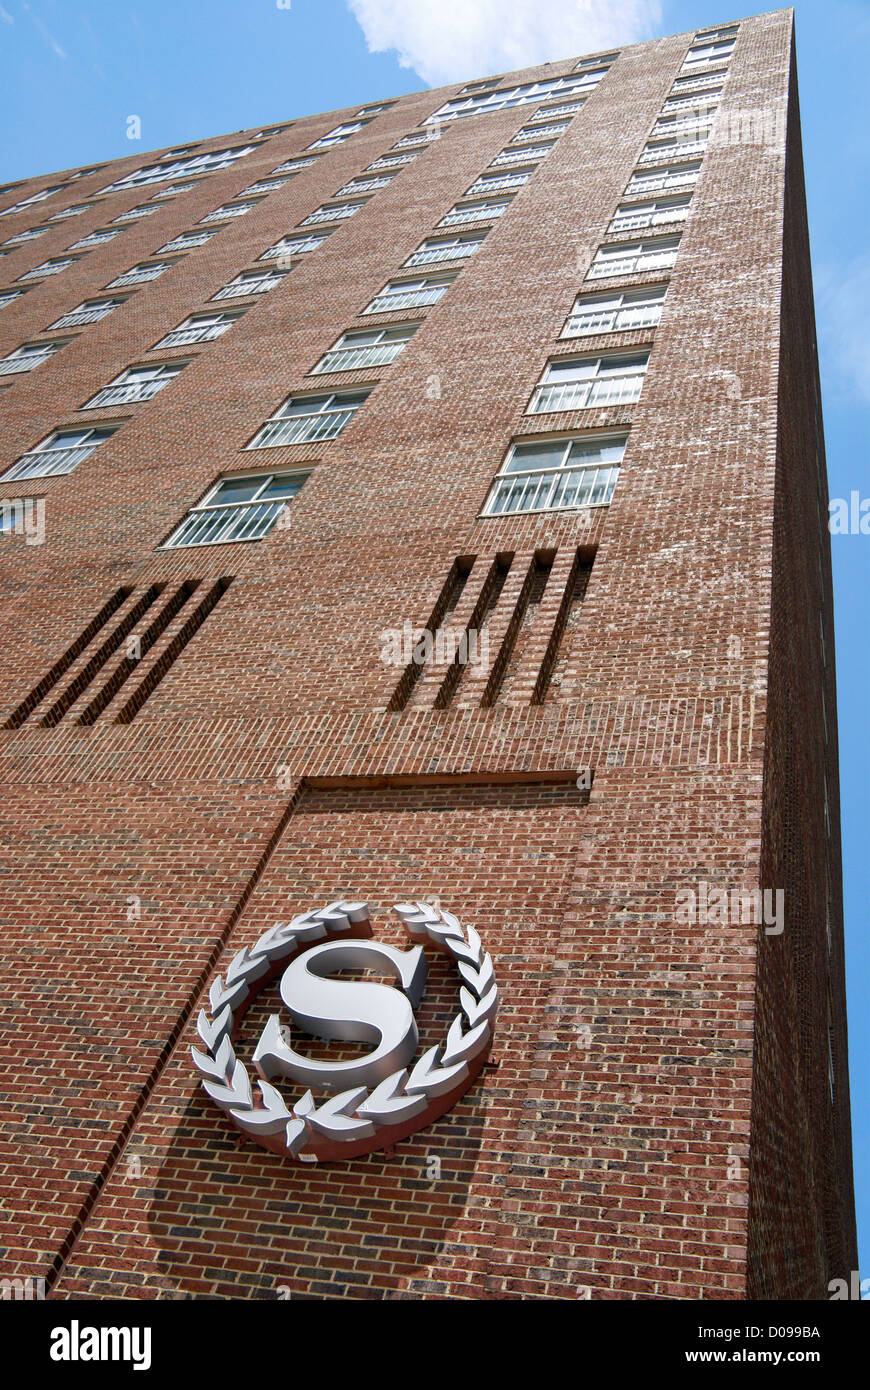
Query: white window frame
{"x":329,"y":412}
{"x":338,"y":135}
{"x":602,"y":380}
{"x":663,"y":210}
{"x":258,"y":515}
{"x":547,"y":487}
{"x":482,"y":211}
{"x":100,"y":237}
{"x":676,"y":178}
{"x":418,"y":293}
{"x":249,"y":282}
{"x":50,"y":267}
{"x":134,"y":275}
{"x":445,"y":249}
{"x":208,"y":163}
{"x":338,"y":212}
{"x":29,"y":355}
{"x":51,"y":460}
{"x":293,"y":245}
{"x":199,"y":328}
{"x":382,"y":347}
{"x":86,"y":313}
{"x":136,"y":384}
{"x":187,"y":241}
{"x":647,"y":256}
{"x":615,"y":311}
{"x":488,"y":184}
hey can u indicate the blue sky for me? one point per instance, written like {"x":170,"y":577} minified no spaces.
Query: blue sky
{"x":74,"y":70}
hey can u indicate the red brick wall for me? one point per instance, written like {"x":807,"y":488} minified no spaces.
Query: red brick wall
{"x":617,"y":1166}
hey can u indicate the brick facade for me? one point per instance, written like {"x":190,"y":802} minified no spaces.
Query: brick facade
{"x":661,"y":1122}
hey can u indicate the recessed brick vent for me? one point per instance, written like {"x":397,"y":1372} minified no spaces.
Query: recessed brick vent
{"x":120,"y":658}
{"x":502,"y":632}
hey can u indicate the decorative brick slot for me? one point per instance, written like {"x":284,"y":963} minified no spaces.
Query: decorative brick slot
{"x":506,"y":661}
{"x":444,"y":606}
{"x":487,"y":599}
{"x":139,"y":650}
{"x":60,"y":668}
{"x":568,"y":614}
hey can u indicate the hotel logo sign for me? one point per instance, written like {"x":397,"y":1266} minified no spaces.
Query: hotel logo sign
{"x":375,"y":1099}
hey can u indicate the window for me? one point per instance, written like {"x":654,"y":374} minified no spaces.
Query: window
{"x":634,"y":257}
{"x":290,"y":246}
{"x":229,"y":210}
{"x":338,"y":212}
{"x":698,"y":83}
{"x":539,"y":132}
{"x":616,"y":312}
{"x":309,"y":419}
{"x":499,"y":183}
{"x":446,"y":248}
{"x":547,"y":113}
{"x":709,"y":52}
{"x":484,"y":85}
{"x":136,"y":384}
{"x":188,"y":240}
{"x":416,"y":140}
{"x":91,"y":311}
{"x":148,"y":270}
{"x":293,"y":166}
{"x":655,"y":213}
{"x":521,"y":156}
{"x":25,"y":358}
{"x":194,"y":164}
{"x":581,"y":383}
{"x":557,"y":474}
{"x":693,"y":101}
{"x":526,"y":94}
{"x":375,"y":110}
{"x":34,"y":198}
{"x":172,"y":192}
{"x":61,"y":452}
{"x":596,"y":62}
{"x":338,"y":135}
{"x":134,"y":214}
{"x":374,"y":348}
{"x":695,"y":123}
{"x":264,"y":186}
{"x":725,"y":31}
{"x":21,"y":237}
{"x":409,"y":294}
{"x":9,"y":296}
{"x":365,"y":185}
{"x":475,"y":212}
{"x":674,"y":147}
{"x":251,"y":282}
{"x":391,"y":161}
{"x":664,"y":180}
{"x":48,"y":268}
{"x":74,"y":210}
{"x":237,"y":509}
{"x":199,"y":328}
{"x":271,"y":130}
{"x":97,"y":238}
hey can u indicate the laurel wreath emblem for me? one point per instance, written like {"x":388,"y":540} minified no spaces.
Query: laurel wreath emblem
{"x":357,"y":1120}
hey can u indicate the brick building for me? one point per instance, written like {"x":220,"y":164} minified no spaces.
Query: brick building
{"x":533,"y":359}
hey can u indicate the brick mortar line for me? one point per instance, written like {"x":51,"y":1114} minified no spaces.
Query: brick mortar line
{"x":110,"y":1164}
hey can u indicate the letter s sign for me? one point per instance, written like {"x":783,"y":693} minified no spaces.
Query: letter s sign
{"x":347,"y":1009}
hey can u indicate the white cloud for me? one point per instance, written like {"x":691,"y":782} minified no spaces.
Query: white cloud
{"x":453,"y":40}
{"x":843,"y":301}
